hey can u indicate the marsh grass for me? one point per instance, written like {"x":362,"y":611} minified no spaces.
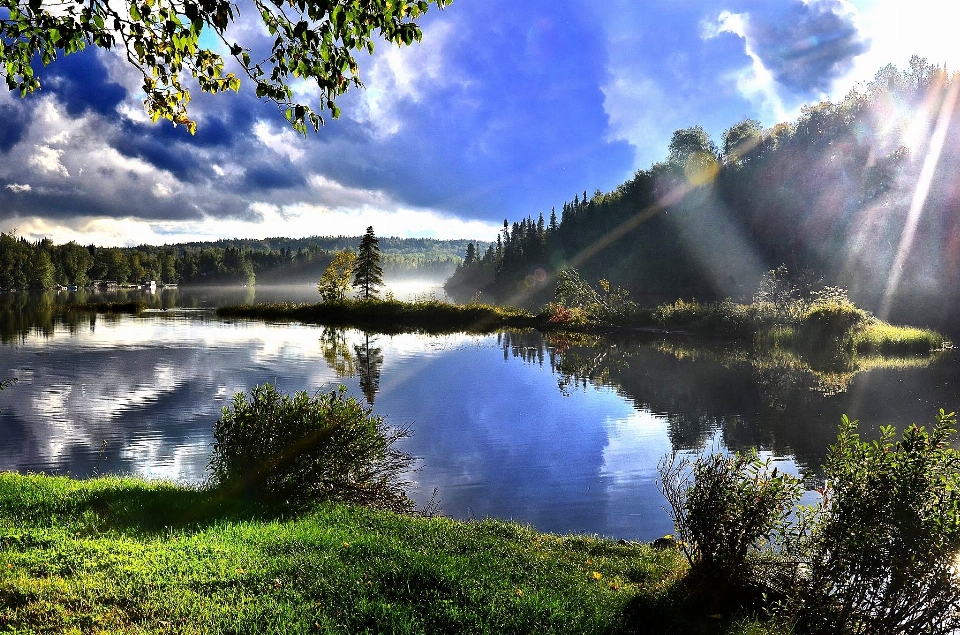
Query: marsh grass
{"x":103,"y":307}
{"x":124,"y":555}
{"x":885,"y":339}
{"x":391,"y":315}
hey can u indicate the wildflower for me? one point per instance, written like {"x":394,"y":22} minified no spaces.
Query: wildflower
{"x":596,"y":575}
{"x":519,"y":592}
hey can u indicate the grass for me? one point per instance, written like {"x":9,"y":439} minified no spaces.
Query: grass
{"x":390,"y":315}
{"x":112,"y":555}
{"x":103,"y":307}
{"x":885,"y":339}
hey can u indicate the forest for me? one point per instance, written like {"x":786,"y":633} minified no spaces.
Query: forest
{"x":42,"y":264}
{"x":857,"y":193}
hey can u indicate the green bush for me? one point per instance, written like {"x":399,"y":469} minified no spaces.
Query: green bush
{"x":298,"y":450}
{"x":881,"y":553}
{"x":877,"y":555}
{"x":726,"y":509}
{"x":831,"y":322}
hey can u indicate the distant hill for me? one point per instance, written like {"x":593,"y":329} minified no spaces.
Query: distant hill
{"x":42,"y":264}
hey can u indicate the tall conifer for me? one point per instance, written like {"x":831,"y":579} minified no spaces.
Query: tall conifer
{"x":367,"y":272}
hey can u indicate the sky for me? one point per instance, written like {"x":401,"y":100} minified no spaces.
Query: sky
{"x":505,"y":110}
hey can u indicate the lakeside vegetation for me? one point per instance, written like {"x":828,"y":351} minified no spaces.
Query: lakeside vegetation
{"x":821,"y":323}
{"x":391,"y":315}
{"x":279,"y":551}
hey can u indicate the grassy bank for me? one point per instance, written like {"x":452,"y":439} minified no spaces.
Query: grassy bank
{"x":811,"y":328}
{"x":388,"y":316}
{"x":103,"y":307}
{"x":124,"y":555}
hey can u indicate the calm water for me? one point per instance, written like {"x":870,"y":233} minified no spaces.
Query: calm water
{"x":562,"y":433}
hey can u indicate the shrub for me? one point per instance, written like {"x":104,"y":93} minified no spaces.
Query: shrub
{"x":881,"y":554}
{"x":725,"y":509}
{"x":297,"y":450}
{"x":877,"y":555}
{"x":831,"y":322}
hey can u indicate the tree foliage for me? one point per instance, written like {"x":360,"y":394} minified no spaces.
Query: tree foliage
{"x":312,"y":41}
{"x":368,"y":274}
{"x":829,"y":192}
{"x":335,"y":281}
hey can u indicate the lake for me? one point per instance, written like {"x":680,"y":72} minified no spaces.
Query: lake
{"x":560,"y":432}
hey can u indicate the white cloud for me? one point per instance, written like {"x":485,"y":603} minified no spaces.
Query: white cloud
{"x":61,"y":137}
{"x":635,"y":105}
{"x":406,"y":73}
{"x":17,"y":188}
{"x":286,"y":143}
{"x":48,"y":160}
{"x":161,"y":190}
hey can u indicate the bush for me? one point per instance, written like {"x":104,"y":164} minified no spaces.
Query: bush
{"x":830,"y":323}
{"x":878,"y":555}
{"x":726,"y":509}
{"x":882,"y":551}
{"x":300,"y":450}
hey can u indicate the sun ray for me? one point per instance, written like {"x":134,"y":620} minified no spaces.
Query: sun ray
{"x":930,"y":162}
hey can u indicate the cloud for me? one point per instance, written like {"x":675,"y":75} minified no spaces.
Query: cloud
{"x":17,"y":188}
{"x":14,"y":120}
{"x":804,"y":45}
{"x":82,"y":84}
{"x":48,"y":160}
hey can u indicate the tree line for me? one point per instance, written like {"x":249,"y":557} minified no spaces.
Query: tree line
{"x":41,"y":264}
{"x":857,"y":193}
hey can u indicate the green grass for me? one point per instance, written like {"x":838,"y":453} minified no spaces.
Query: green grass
{"x":103,"y":307}
{"x":391,"y":316}
{"x":114,"y":555}
{"x":885,"y":339}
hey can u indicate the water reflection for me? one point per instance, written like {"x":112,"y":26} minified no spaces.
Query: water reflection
{"x":563,"y":432}
{"x":770,"y":399}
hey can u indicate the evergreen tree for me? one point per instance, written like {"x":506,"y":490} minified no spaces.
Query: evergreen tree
{"x":368,"y":274}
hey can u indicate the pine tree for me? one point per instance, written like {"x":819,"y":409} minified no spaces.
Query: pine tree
{"x":367,"y":272}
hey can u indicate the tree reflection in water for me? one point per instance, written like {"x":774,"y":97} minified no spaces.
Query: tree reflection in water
{"x":756,"y":396}
{"x":363,"y":360}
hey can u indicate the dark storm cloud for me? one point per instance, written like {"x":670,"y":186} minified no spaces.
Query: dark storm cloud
{"x":74,"y":200}
{"x":14,"y":119}
{"x":265,"y":176}
{"x":223,"y":122}
{"x":148,"y":143}
{"x":805,"y":45}
{"x":82,"y":84}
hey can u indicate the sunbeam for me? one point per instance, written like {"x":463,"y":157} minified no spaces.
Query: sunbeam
{"x":930,"y":162}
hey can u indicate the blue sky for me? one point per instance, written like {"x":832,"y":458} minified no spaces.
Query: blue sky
{"x":506,"y":109}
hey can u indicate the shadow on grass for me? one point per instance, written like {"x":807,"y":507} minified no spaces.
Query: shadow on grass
{"x":123,"y":505}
